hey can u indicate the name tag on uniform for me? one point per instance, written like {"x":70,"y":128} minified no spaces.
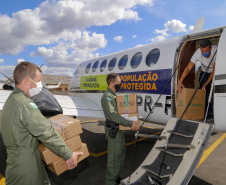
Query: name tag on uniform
{"x":33,"y":105}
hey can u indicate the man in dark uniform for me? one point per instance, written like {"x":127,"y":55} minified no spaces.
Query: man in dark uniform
{"x":114,"y":137}
{"x":23,"y":125}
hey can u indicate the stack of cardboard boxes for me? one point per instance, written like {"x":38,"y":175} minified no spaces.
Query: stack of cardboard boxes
{"x":69,"y":129}
{"x":127,"y":108}
{"x":196,"y":109}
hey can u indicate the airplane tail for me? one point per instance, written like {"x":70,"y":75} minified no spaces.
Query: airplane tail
{"x":199,"y":25}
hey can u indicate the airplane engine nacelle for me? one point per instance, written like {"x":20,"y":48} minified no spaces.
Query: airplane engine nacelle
{"x":7,"y":87}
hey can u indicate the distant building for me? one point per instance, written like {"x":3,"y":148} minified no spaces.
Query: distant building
{"x":54,"y":80}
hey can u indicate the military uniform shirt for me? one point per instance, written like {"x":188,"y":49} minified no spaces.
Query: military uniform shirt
{"x":22,"y":126}
{"x":109,"y":105}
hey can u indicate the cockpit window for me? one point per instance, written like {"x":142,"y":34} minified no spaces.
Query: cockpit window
{"x":135,"y":61}
{"x":103,"y":65}
{"x":112,"y":64}
{"x":122,"y":62}
{"x":95,"y":65}
{"x":77,"y":70}
{"x":152,"y":57}
{"x":88,"y":68}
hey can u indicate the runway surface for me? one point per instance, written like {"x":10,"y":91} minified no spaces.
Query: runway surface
{"x":91,"y":171}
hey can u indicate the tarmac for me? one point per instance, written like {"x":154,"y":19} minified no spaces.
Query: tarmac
{"x":92,"y":170}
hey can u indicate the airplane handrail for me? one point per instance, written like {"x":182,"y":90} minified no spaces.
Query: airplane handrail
{"x":180,"y":119}
{"x":151,"y":111}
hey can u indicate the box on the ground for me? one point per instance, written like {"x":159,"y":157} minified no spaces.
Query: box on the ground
{"x":67,"y":126}
{"x":196,"y":109}
{"x":49,"y":157}
{"x":130,"y":117}
{"x":127,"y":103}
{"x":60,"y":165}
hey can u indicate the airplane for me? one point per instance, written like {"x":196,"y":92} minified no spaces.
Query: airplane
{"x":152,"y":72}
{"x":46,"y":102}
{"x":52,"y":86}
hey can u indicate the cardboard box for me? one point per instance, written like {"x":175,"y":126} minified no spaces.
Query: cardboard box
{"x":196,"y":109}
{"x":130,"y":117}
{"x":49,"y":157}
{"x":67,"y":126}
{"x":60,"y":166}
{"x":127,"y":103}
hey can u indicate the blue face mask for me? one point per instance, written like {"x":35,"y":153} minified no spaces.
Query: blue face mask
{"x":206,"y":54}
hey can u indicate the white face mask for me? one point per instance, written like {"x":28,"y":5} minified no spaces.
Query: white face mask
{"x":35,"y":90}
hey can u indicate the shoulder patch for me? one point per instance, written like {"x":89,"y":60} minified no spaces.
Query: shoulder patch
{"x":109,"y":98}
{"x":33,"y":105}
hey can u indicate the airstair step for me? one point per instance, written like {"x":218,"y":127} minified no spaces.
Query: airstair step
{"x":181,"y":133}
{"x":154,"y":169}
{"x":172,"y":151}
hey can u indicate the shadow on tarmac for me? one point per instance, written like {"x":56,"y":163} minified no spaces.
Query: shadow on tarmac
{"x":195,"y":180}
{"x":92,"y":170}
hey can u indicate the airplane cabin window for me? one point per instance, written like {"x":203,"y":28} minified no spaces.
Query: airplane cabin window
{"x":95,"y":65}
{"x":152,"y":57}
{"x":135,"y":61}
{"x":112,"y":64}
{"x":122,"y":62}
{"x":103,"y":65}
{"x":88,"y":68}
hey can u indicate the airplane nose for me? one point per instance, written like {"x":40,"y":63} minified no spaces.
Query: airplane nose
{"x":47,"y":103}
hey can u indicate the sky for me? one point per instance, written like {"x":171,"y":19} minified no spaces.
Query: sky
{"x":60,"y":34}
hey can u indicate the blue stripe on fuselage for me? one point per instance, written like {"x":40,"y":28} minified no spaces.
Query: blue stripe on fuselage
{"x":153,"y":81}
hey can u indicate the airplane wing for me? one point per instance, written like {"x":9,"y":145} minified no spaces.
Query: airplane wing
{"x":78,"y":106}
{"x":4,"y":94}
{"x":71,"y":105}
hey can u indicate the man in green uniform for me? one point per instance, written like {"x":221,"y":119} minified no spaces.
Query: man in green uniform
{"x":23,"y":125}
{"x":116,"y":143}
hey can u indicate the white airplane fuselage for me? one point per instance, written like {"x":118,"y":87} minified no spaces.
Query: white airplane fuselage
{"x":145,"y":70}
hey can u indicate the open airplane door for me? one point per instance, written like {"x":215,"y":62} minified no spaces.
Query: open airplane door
{"x":220,"y":85}
{"x":175,"y":156}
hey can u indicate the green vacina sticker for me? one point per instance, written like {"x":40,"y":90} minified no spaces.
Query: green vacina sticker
{"x":126,"y":100}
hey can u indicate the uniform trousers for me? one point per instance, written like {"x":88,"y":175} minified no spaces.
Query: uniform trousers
{"x":116,"y":157}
